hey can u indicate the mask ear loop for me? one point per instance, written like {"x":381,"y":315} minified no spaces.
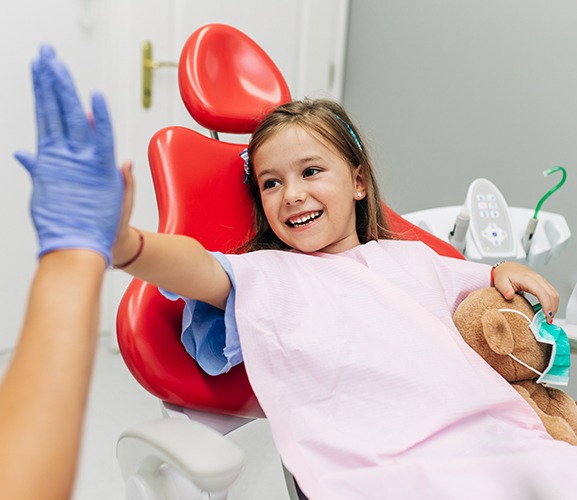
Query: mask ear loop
{"x":511,"y":355}
{"x":504,"y":309}
{"x":526,"y":365}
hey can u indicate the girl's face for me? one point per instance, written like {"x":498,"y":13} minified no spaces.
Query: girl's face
{"x":308,"y":191}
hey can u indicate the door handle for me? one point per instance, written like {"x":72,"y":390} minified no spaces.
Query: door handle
{"x":148,"y":67}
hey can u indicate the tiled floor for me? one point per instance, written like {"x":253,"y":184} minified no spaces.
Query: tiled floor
{"x":117,"y":401}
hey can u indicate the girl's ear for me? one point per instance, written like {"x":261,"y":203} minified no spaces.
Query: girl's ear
{"x":360,"y":180}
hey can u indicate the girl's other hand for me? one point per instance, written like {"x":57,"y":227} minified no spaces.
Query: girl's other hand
{"x":512,"y":277}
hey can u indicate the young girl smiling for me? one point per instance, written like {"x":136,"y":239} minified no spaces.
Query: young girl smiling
{"x":347,"y":332}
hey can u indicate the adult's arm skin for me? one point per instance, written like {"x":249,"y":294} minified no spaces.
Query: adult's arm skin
{"x":44,"y":392}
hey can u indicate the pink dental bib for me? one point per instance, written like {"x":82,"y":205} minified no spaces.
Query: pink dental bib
{"x":369,"y":389}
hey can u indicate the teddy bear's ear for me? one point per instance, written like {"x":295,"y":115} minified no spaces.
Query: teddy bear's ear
{"x":497,"y":332}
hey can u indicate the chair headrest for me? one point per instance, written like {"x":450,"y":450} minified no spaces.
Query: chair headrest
{"x":227,"y":81}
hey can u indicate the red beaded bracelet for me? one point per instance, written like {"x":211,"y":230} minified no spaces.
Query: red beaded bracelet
{"x":136,"y":255}
{"x":495,"y":266}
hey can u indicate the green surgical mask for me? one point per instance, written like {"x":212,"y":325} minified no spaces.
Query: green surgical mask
{"x":557,"y":371}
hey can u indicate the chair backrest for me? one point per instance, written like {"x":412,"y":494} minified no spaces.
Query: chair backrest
{"x":227,"y":81}
{"x":199,"y":191}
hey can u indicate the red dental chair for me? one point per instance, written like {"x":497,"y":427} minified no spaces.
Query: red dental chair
{"x":227,"y":83}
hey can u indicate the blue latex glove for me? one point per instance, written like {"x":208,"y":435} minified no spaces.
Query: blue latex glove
{"x":77,"y":188}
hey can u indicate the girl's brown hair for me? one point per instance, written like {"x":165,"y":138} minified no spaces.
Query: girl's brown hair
{"x":328,"y":121}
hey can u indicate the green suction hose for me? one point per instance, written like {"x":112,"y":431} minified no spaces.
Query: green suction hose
{"x":553,"y":189}
{"x":532,"y":225}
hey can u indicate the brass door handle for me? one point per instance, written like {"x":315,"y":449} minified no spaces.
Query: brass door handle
{"x":148,"y":66}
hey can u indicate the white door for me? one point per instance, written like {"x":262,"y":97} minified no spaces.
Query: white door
{"x":100,"y":40}
{"x":78,"y":30}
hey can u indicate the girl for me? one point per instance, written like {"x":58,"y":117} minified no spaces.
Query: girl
{"x":347,"y":333}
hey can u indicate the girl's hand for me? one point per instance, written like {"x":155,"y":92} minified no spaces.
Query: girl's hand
{"x":512,"y":277}
{"x":124,"y":245}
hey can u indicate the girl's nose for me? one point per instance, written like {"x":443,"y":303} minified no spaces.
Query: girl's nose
{"x":294,"y":193}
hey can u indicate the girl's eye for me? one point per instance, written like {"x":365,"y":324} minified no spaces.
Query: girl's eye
{"x":311,"y":171}
{"x":270,"y":183}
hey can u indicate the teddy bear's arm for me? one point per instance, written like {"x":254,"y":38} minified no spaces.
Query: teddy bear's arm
{"x":557,"y":410}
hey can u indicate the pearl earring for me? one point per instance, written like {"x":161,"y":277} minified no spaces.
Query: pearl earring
{"x":359,"y":194}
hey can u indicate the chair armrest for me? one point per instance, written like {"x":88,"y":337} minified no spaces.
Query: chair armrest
{"x":201,"y":454}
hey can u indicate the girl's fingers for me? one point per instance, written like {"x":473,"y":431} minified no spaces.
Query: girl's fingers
{"x":128,"y":201}
{"x":511,"y":278}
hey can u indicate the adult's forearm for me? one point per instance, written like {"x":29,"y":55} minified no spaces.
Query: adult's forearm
{"x":44,"y":392}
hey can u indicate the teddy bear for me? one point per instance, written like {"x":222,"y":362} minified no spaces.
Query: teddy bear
{"x":494,"y":335}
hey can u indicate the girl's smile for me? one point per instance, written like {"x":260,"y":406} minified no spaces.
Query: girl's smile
{"x":308,"y":191}
{"x":304,"y":219}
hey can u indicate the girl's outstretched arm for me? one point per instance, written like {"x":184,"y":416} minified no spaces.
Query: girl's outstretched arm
{"x":175,"y":263}
{"x":512,"y":277}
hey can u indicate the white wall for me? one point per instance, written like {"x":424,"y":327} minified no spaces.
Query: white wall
{"x":23,"y":26}
{"x":452,"y":90}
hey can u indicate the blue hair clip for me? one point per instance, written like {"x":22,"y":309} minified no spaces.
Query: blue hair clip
{"x":351,"y":131}
{"x":244,"y":155}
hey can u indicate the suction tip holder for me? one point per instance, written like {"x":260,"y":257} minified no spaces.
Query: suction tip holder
{"x":457,"y":236}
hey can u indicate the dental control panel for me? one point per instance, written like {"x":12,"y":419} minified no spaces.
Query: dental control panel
{"x":486,"y":229}
{"x":490,"y":225}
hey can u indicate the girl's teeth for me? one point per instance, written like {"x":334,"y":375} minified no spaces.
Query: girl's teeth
{"x":303,"y":220}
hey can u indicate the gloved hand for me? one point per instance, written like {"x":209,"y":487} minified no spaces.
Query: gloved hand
{"x":77,"y":188}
